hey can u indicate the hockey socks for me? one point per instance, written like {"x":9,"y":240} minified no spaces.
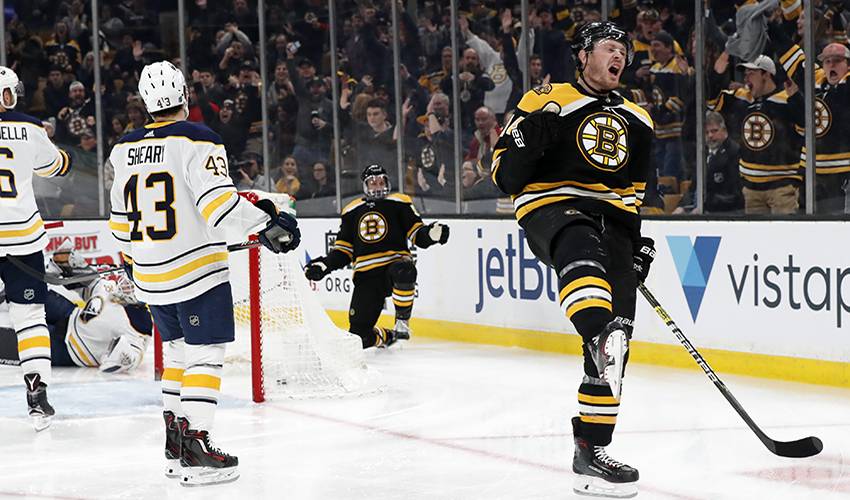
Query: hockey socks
{"x":201,"y":384}
{"x":33,"y":338}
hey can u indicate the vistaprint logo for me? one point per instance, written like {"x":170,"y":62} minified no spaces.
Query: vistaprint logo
{"x":694,"y":261}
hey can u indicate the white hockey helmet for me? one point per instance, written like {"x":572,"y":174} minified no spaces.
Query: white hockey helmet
{"x":9,"y":80}
{"x":162,"y":86}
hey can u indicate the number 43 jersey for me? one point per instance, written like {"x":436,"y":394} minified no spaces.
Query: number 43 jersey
{"x":175,"y":209}
{"x":25,"y":150}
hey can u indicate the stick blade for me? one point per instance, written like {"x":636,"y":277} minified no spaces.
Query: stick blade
{"x":801,"y":448}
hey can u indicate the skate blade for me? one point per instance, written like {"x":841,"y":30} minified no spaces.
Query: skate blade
{"x":40,"y":422}
{"x":173,"y":469}
{"x":204,"y":476}
{"x":598,"y":487}
{"x":615,"y":348}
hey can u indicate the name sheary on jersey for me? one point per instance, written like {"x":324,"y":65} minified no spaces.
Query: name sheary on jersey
{"x":9,"y":133}
{"x":145,"y":154}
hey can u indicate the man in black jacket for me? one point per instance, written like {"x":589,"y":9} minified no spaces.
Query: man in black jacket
{"x":723,"y":192}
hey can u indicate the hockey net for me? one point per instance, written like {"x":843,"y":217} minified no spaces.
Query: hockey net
{"x":283,"y":334}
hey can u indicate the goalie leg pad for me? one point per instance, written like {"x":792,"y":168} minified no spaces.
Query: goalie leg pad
{"x":201,"y":384}
{"x":173,"y":352}
{"x":33,"y":338}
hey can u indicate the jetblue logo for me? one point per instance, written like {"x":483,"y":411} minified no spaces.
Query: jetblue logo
{"x":694,"y":262}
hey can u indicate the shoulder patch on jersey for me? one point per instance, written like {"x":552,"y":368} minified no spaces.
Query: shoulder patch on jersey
{"x":352,"y":205}
{"x":742,"y":93}
{"x":16,"y":116}
{"x":543,"y":89}
{"x":638,"y":112}
{"x":780,"y":97}
{"x":403,"y":198}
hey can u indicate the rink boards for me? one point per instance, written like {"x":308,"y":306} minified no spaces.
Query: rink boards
{"x":769,"y":299}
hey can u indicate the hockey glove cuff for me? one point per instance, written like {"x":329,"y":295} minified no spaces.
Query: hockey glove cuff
{"x":316,"y":269}
{"x":282,"y":233}
{"x":643,"y":257}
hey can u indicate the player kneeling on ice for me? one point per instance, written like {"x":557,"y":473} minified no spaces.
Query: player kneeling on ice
{"x":25,"y":150}
{"x":111,"y":330}
{"x":575,"y":159}
{"x":375,"y":235}
{"x":174,"y":211}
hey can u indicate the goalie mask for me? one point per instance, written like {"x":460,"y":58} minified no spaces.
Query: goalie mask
{"x":592,"y":33}
{"x":371,"y":186}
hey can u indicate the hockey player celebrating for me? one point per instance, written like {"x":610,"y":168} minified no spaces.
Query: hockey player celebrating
{"x":174,"y":210}
{"x":375,"y":235}
{"x":575,"y":158}
{"x":24,"y":149}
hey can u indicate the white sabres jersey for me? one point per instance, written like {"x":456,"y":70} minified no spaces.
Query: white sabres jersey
{"x":175,"y":209}
{"x":24,"y":149}
{"x":92,"y":328}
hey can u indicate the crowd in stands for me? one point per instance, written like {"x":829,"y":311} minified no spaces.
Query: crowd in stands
{"x":752,"y":67}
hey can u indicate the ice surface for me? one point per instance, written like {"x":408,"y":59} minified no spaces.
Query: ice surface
{"x":457,"y":421}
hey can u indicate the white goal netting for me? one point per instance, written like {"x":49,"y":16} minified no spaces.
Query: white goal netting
{"x":294,"y":348}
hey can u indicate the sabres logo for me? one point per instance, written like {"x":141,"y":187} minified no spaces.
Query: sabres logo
{"x":603,"y":141}
{"x":758,"y":131}
{"x":372,"y":227}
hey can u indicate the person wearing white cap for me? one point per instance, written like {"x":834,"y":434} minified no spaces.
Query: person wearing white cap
{"x":766,"y":121}
{"x":832,"y":108}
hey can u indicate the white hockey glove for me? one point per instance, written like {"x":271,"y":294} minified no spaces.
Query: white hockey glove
{"x":125,"y":353}
{"x":439,"y":233}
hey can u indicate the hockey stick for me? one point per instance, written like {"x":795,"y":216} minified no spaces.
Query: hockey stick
{"x":800,"y":448}
{"x":55,"y":279}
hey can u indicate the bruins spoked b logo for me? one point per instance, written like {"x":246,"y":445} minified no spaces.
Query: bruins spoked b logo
{"x":823,"y":117}
{"x":757,"y":131}
{"x":602,"y":139}
{"x":372,"y":227}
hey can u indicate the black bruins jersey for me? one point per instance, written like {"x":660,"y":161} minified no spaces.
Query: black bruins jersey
{"x":767,"y":129}
{"x":376,"y":233}
{"x":597,"y":162}
{"x":832,"y":108}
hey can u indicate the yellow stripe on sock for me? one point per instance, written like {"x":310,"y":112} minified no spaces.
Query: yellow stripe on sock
{"x":599,"y":400}
{"x":201,"y":380}
{"x":34,"y":342}
{"x":588,"y":303}
{"x":173,"y":374}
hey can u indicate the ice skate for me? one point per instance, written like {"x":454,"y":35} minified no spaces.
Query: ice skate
{"x":202,"y":462}
{"x":402,"y":327}
{"x":172,"y":444}
{"x":40,"y":411}
{"x":609,"y":351}
{"x":599,"y":474}
{"x":387,"y":337}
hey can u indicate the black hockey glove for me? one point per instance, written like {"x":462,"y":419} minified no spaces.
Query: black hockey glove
{"x":282,"y":233}
{"x":537,"y":132}
{"x":316,"y":269}
{"x":643,"y":257}
{"x":439,"y":233}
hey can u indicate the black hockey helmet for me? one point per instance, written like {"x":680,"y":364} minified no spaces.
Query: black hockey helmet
{"x":375,"y":170}
{"x":592,"y":33}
